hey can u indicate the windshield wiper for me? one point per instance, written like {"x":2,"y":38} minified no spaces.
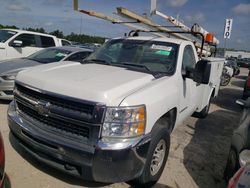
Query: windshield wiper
{"x":33,"y":59}
{"x":137,"y":65}
{"x":155,"y":74}
{"x":100,"y":61}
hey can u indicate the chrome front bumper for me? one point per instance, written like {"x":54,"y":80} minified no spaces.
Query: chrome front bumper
{"x":6,"y":89}
{"x":105,"y":161}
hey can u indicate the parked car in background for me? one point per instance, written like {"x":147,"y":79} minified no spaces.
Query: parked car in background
{"x":241,"y":179}
{"x":2,"y":163}
{"x":246,"y":91}
{"x":10,"y":68}
{"x":240,"y":142}
{"x":64,"y":42}
{"x":92,"y":46}
{"x":244,"y":62}
{"x":16,"y":43}
{"x":233,"y":64}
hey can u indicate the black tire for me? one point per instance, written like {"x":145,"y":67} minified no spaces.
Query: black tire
{"x":225,"y":80}
{"x":237,"y":72}
{"x":160,"y":134}
{"x":232,"y":164}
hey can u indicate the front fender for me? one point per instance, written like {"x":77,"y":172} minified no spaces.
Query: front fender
{"x":159,"y":97}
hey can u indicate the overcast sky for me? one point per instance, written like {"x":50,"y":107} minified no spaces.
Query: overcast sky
{"x":59,"y":14}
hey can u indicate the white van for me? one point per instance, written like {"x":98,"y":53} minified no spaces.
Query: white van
{"x":19,"y":43}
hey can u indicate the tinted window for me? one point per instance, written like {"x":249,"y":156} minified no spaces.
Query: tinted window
{"x":49,"y":55}
{"x":188,"y":58}
{"x":6,"y":34}
{"x":27,"y":39}
{"x":78,"y":56}
{"x":47,"y":42}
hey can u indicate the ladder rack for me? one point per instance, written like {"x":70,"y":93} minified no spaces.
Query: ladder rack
{"x":140,"y":23}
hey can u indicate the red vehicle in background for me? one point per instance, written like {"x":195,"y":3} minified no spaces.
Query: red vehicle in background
{"x":2,"y":163}
{"x":246,"y":92}
{"x":241,"y":178}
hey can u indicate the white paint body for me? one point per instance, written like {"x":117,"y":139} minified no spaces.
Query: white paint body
{"x":9,"y":52}
{"x":117,"y":86}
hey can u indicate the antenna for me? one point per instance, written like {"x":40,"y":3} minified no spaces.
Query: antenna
{"x":153,"y":7}
{"x":75,"y":5}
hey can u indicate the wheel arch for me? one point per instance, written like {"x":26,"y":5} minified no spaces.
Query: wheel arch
{"x":169,"y":117}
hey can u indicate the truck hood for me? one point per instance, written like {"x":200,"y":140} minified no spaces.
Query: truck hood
{"x":94,"y":82}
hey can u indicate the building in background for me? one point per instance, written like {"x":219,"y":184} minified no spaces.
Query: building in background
{"x":237,"y":54}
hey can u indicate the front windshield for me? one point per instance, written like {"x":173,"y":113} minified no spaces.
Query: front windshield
{"x":6,"y":34}
{"x":49,"y":55}
{"x":142,"y":55}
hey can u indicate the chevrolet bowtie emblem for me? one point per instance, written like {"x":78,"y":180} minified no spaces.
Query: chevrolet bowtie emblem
{"x":43,"y":108}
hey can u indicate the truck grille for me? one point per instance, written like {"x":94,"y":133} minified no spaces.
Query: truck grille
{"x":75,"y":119}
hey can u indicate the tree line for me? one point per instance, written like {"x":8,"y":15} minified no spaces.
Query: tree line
{"x":79,"y":38}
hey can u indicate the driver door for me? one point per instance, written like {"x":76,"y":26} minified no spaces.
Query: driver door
{"x":29,"y":46}
{"x":189,"y":92}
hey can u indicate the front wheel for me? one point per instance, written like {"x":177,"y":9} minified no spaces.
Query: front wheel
{"x":225,"y":80}
{"x":156,"y":158}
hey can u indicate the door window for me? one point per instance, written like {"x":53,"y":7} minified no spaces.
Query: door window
{"x":188,"y":61}
{"x":47,"y":42}
{"x":27,"y":39}
{"x":6,"y":34}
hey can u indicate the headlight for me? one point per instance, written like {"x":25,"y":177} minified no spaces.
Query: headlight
{"x":124,"y":122}
{"x":9,"y":77}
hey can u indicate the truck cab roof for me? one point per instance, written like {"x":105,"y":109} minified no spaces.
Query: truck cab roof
{"x":28,"y":32}
{"x":150,"y":38}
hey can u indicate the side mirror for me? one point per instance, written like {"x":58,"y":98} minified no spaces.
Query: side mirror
{"x":187,"y":72}
{"x":202,"y":72}
{"x":17,"y":43}
{"x":244,"y":157}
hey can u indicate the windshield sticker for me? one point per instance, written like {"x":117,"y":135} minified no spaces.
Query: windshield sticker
{"x":60,"y":54}
{"x":161,"y":47}
{"x":163,"y":52}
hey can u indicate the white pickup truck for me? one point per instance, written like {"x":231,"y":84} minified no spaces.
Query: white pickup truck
{"x":15,"y":43}
{"x":109,"y":118}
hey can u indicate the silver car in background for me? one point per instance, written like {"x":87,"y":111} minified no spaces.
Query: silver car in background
{"x":10,"y":68}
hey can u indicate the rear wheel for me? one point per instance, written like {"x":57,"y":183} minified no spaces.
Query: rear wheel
{"x":156,"y":158}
